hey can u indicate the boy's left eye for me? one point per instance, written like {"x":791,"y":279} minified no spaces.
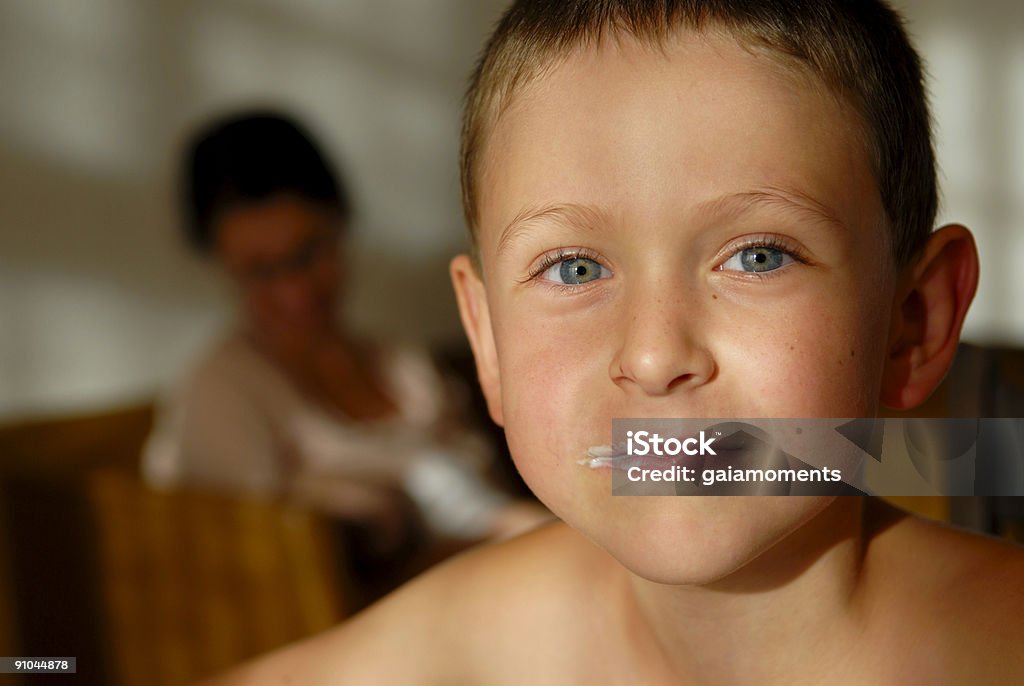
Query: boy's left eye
{"x":575,"y":271}
{"x":757,"y":259}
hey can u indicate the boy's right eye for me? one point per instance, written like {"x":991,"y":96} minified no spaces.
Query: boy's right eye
{"x":573,"y":271}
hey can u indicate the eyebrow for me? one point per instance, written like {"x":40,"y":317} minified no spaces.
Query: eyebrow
{"x":735,"y":205}
{"x":570,"y":215}
{"x":729,"y":206}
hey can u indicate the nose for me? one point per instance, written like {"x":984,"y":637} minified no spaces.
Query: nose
{"x":662,"y":349}
{"x":293,"y":293}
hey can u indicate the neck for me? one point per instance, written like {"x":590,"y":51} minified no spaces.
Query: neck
{"x":287,"y":347}
{"x":766,"y":622}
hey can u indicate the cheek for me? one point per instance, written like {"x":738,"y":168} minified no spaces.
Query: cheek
{"x":823,"y":361}
{"x":553,"y":373}
{"x":259,"y":303}
{"x":549,"y":362}
{"x":326,"y":275}
{"x":540,"y":385}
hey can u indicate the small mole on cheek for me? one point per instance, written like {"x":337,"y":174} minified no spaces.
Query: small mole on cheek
{"x":714,"y":297}
{"x":853,"y":354}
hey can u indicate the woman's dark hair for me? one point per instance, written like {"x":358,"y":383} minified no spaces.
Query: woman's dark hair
{"x":247,"y":158}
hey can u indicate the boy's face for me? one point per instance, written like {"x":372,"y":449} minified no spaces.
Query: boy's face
{"x":687,"y":233}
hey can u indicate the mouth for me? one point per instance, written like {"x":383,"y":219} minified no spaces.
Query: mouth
{"x":729,"y":445}
{"x":606,"y":457}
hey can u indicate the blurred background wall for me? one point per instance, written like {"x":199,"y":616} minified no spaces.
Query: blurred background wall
{"x":99,"y":302}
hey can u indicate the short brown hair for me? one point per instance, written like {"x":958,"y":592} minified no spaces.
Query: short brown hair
{"x":858,"y":48}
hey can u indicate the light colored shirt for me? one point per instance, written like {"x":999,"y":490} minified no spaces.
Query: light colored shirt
{"x":239,"y":423}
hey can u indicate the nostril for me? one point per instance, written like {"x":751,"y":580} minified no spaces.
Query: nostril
{"x":681,"y":380}
{"x":661,"y":353}
{"x":660,"y":377}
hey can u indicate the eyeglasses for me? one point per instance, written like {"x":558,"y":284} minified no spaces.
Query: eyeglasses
{"x":299,"y":261}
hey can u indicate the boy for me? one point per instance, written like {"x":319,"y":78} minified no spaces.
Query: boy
{"x":698,"y":209}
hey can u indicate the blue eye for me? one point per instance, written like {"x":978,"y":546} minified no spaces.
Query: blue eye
{"x":757,"y":259}
{"x":575,"y":271}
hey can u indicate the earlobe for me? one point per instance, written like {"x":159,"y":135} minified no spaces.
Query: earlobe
{"x":476,"y":320}
{"x":927,"y":317}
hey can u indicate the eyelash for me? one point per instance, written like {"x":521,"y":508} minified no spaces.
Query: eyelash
{"x":558,"y":255}
{"x":769,"y":241}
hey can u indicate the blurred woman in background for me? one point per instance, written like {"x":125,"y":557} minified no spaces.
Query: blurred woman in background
{"x":289,"y":404}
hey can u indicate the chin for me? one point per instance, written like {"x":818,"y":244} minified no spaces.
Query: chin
{"x":698,"y":541}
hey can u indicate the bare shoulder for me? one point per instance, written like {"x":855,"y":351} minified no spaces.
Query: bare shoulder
{"x":988,"y":570}
{"x":964,"y":591}
{"x":455,"y":623}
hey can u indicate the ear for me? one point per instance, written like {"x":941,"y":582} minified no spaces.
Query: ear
{"x":931,"y":305}
{"x":476,"y":320}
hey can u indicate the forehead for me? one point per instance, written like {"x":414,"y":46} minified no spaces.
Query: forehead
{"x":648,"y":130}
